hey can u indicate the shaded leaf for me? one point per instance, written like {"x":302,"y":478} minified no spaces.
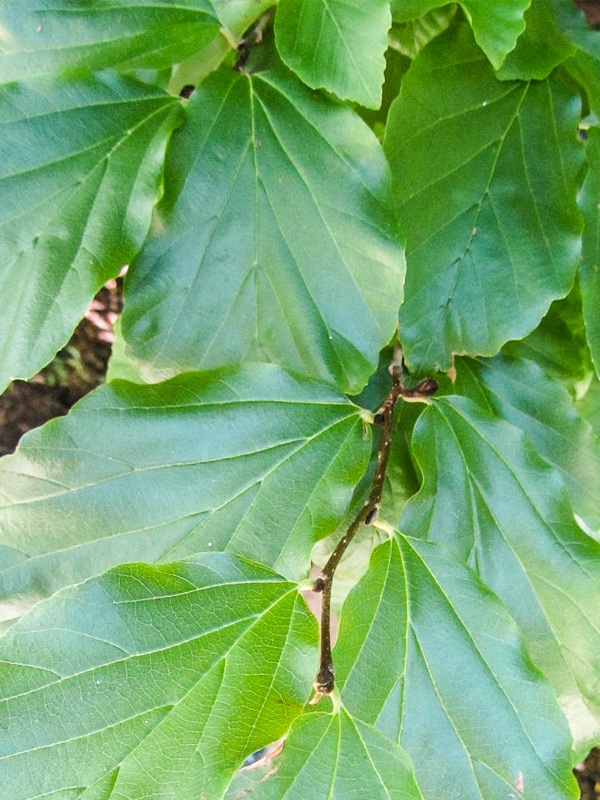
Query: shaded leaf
{"x":496,"y":23}
{"x":427,"y":654}
{"x":152,"y":681}
{"x":335,"y":45}
{"x":558,"y":344}
{"x":552,"y":30}
{"x":40,"y":37}
{"x":336,"y":757}
{"x":80,"y":175}
{"x":276,"y":239}
{"x":250,"y":459}
{"x":490,"y":499}
{"x":411,"y":36}
{"x":590,"y":267}
{"x":493,"y":231}
{"x":521,"y":393}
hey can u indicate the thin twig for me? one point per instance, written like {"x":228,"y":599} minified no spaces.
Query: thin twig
{"x":325,"y":681}
{"x":253,"y":38}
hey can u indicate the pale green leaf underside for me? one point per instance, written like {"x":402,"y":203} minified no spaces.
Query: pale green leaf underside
{"x":337,"y":45}
{"x":40,"y":37}
{"x":250,"y":459}
{"x":486,"y":175}
{"x":152,"y":682}
{"x":78,"y":179}
{"x":590,"y":267}
{"x":489,"y":497}
{"x":432,"y":658}
{"x":276,"y":239}
{"x":520,"y":392}
{"x":336,"y":757}
{"x":496,"y":23}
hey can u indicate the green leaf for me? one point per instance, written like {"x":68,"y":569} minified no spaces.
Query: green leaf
{"x":332,"y":757}
{"x":519,"y":392}
{"x":496,"y":23}
{"x":410,"y":37}
{"x":335,"y":45}
{"x":589,"y":407}
{"x":590,"y":267}
{"x":559,"y":343}
{"x":251,"y":459}
{"x":432,"y":658}
{"x":276,"y":239}
{"x":486,"y":174}
{"x":551,"y":34}
{"x":152,"y":681}
{"x":489,"y":498}
{"x":40,"y":37}
{"x":81,"y":168}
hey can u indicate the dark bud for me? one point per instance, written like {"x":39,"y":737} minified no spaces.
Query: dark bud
{"x":187,"y":91}
{"x":318,"y":585}
{"x":372,"y":514}
{"x":378,"y":418}
{"x":427,"y":387}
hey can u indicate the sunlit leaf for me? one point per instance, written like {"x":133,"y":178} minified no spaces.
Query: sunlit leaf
{"x":490,"y":499}
{"x":337,"y":45}
{"x":431,"y":658}
{"x":493,"y":231}
{"x":276,"y":239}
{"x":250,"y":459}
{"x":521,"y":393}
{"x":152,"y":681}
{"x":79,"y":175}
{"x":39,"y":37}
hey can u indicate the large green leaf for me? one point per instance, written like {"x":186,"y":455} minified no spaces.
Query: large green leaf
{"x":80,"y":173}
{"x":52,"y":36}
{"x":496,"y":23}
{"x":250,"y":459}
{"x":521,"y":393}
{"x":152,"y":682}
{"x":486,"y":174}
{"x":431,"y":657}
{"x":554,"y":31}
{"x":489,"y":498}
{"x":276,"y":239}
{"x":337,"y":45}
{"x":590,"y":267}
{"x":330,"y":756}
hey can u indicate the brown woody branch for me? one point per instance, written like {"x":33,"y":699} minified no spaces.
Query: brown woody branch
{"x":325,"y":681}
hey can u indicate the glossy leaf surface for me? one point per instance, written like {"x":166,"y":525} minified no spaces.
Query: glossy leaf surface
{"x":41,"y":37}
{"x":496,"y":23}
{"x":430,"y":657}
{"x":79,"y":176}
{"x":519,"y":392}
{"x":249,"y":459}
{"x":337,"y":45}
{"x":490,"y":499}
{"x":276,"y":239}
{"x":493,"y":232}
{"x":152,"y":681}
{"x":590,"y":268}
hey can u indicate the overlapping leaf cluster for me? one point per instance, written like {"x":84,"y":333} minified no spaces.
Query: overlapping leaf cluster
{"x":340,"y":169}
